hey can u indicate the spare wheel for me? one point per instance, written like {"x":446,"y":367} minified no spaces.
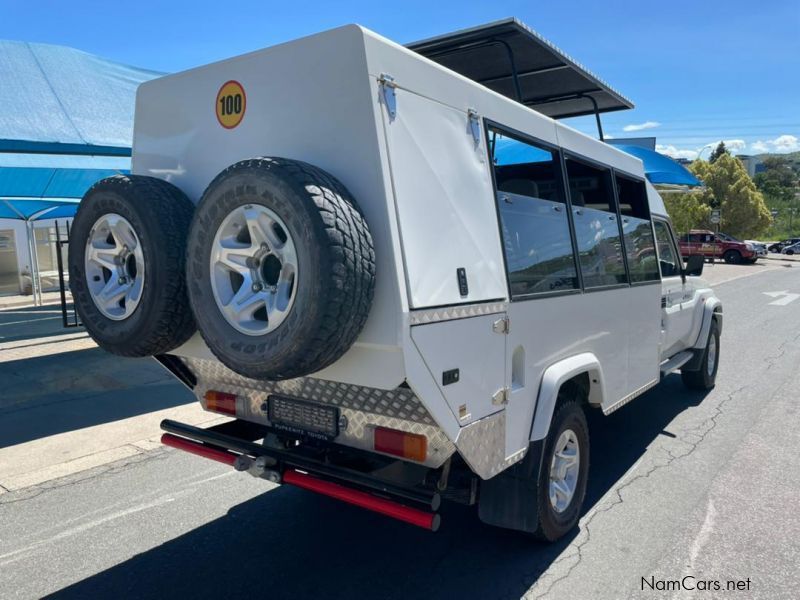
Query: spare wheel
{"x":280,"y":268}
{"x":127,"y":265}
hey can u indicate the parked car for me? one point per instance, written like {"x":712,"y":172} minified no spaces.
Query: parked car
{"x":793,"y":249}
{"x":759,"y":247}
{"x":779,"y":246}
{"x":710,"y":245}
{"x":420,"y":305}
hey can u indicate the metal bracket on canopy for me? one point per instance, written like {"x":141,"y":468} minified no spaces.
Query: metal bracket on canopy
{"x":491,"y":42}
{"x":580,"y":95}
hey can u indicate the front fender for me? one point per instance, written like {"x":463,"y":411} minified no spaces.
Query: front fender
{"x":554,"y":377}
{"x":712,"y":307}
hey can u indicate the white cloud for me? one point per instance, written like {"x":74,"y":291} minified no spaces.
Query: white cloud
{"x":782,"y":143}
{"x":675,"y":152}
{"x":733,"y":146}
{"x":786,"y":143}
{"x":641,"y":126}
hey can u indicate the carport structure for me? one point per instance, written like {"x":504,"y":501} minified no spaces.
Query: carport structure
{"x":66,"y":121}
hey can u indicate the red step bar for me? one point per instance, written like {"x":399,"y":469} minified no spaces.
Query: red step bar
{"x":191,"y":447}
{"x":390,"y":508}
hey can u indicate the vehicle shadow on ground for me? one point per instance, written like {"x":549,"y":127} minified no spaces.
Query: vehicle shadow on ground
{"x":289,"y":543}
{"x":46,"y":395}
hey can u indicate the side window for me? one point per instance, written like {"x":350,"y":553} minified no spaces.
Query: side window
{"x":596,"y":225}
{"x":533,"y":217}
{"x":667,"y":258}
{"x":639,"y":245}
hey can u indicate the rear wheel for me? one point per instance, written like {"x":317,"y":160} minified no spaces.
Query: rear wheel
{"x":790,"y":252}
{"x":564,"y":472}
{"x":705,"y":377}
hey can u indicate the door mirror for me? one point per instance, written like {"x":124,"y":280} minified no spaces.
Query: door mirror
{"x":694,"y":266}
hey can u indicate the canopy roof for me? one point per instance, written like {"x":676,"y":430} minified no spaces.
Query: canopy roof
{"x":54,"y":95}
{"x":548,"y":80}
{"x":35,"y":209}
{"x":660,"y":169}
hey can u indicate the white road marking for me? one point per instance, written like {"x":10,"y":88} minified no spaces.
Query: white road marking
{"x":784,"y":300}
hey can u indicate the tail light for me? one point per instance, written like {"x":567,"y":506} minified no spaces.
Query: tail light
{"x":221,"y":402}
{"x":401,"y":443}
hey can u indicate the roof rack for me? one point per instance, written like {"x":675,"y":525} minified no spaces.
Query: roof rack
{"x":512,"y":59}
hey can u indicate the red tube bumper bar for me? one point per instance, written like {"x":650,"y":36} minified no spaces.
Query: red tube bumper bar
{"x":414,"y":516}
{"x":216,"y":454}
{"x":390,"y":508}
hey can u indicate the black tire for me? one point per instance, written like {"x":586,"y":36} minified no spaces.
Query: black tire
{"x":569,"y":414}
{"x":789,"y":252}
{"x":336,"y":260}
{"x":160,"y":214}
{"x":732,"y":257}
{"x":701,"y":379}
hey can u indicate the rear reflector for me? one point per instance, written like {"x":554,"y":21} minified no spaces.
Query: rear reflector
{"x":401,"y":443}
{"x":221,"y":402}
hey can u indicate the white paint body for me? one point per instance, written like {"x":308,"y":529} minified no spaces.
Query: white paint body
{"x":425,"y":185}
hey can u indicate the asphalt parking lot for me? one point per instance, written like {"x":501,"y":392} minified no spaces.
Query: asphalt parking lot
{"x":681,"y":483}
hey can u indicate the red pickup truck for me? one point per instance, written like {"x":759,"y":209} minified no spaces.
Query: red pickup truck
{"x":710,"y":245}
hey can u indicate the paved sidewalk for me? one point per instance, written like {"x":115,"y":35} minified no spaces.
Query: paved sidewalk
{"x":67,"y":406}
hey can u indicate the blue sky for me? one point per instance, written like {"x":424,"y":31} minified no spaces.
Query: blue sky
{"x":698,"y":71}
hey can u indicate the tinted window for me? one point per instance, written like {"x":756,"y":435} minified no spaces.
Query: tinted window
{"x":639,"y":246}
{"x":533,"y":217}
{"x":596,"y":225}
{"x":668,"y":259}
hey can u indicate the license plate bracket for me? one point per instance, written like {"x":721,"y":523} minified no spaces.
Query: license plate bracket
{"x":303,"y":417}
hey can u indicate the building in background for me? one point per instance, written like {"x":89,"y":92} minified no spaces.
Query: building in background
{"x":753,"y":164}
{"x":66,"y":121}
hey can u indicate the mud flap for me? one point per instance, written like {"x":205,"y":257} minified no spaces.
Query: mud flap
{"x":510,"y":499}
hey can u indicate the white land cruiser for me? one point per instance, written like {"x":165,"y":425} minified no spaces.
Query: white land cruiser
{"x":403,"y":285}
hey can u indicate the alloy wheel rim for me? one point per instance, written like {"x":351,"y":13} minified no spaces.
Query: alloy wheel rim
{"x":254,"y":270}
{"x":564,"y":470}
{"x":712,"y":355}
{"x":114,"y":267}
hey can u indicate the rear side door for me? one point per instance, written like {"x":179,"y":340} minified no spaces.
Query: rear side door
{"x":453,"y":262}
{"x":676,"y":314}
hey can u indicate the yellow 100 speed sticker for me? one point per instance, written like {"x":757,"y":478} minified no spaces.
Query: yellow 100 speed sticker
{"x":231,"y":104}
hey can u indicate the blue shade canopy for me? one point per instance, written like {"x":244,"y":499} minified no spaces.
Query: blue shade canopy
{"x":508,"y":151}
{"x":42,"y":182}
{"x":25,"y":208}
{"x":661,"y":169}
{"x":61,"y":95}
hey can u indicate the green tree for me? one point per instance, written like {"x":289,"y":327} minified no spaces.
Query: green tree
{"x":729,"y":188}
{"x":780,"y":184}
{"x":717,"y":152}
{"x":778,"y":181}
{"x":687,"y":211}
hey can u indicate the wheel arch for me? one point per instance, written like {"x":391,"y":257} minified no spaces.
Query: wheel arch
{"x":584,"y":369}
{"x":712,"y":311}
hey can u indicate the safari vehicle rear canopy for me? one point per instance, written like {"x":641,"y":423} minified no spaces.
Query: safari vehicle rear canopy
{"x":404,"y":134}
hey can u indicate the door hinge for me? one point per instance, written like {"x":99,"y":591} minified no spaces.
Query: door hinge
{"x":474,"y":125}
{"x":388,"y":93}
{"x":500,"y":397}
{"x":502,"y":325}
